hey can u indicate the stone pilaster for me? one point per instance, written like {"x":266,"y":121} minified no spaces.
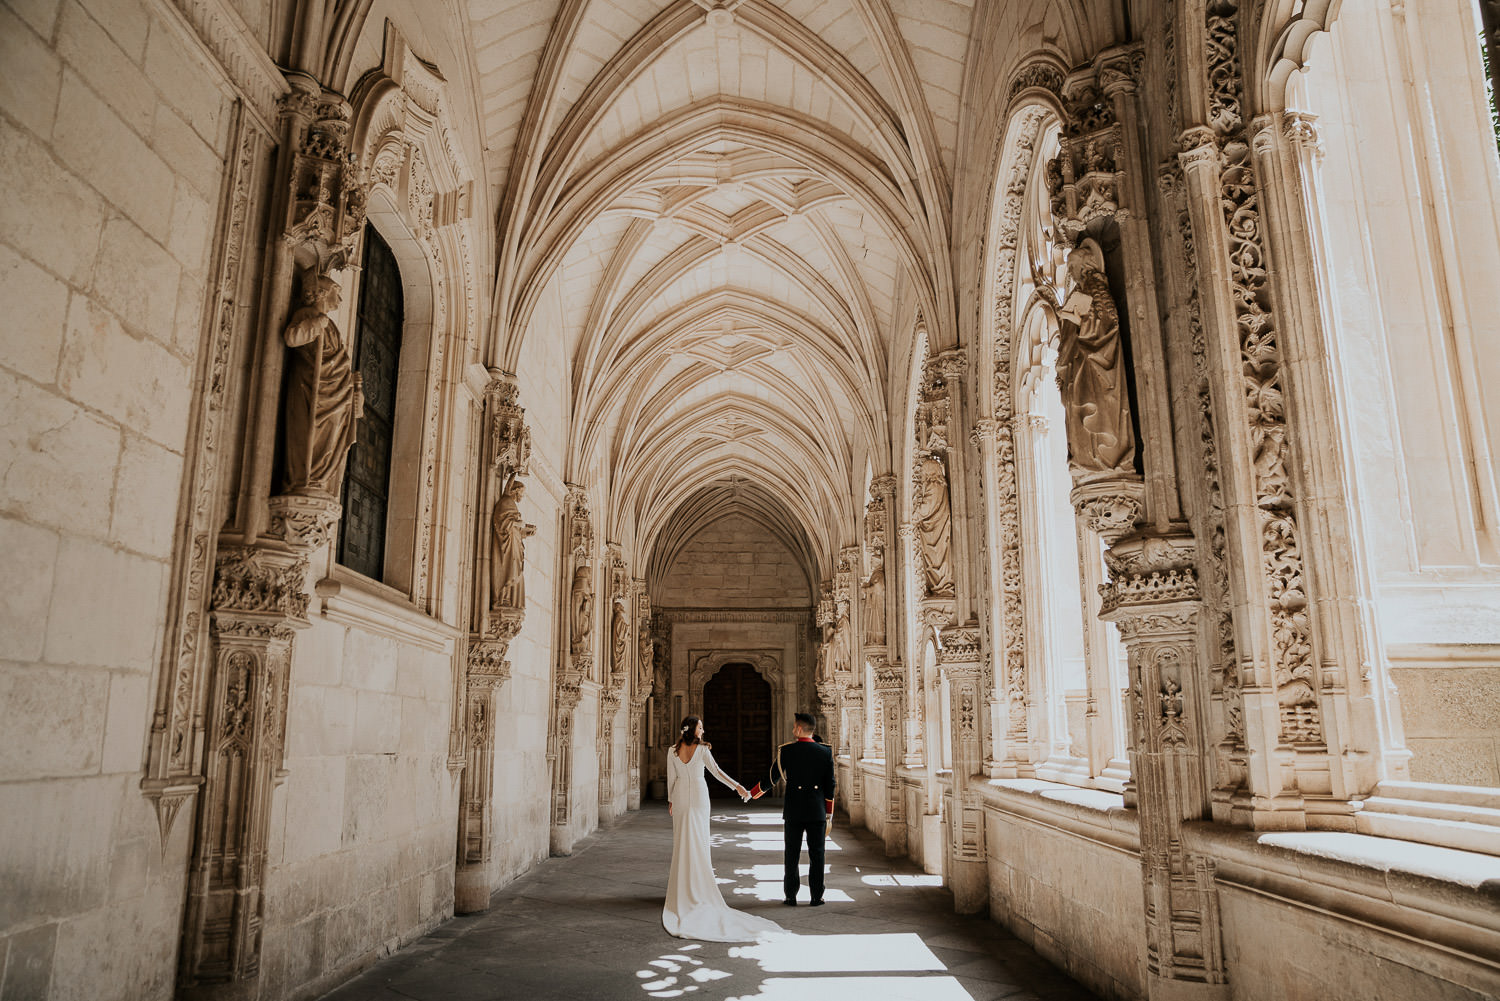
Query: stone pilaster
{"x":890,"y":690}
{"x":259,"y":601}
{"x":577,"y":665}
{"x":1289,"y":769}
{"x":505,"y":456}
{"x":1152,"y":597}
{"x":961,"y":664}
{"x":854,"y":723}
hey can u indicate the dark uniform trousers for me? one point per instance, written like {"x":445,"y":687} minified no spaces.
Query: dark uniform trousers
{"x":807,"y":768}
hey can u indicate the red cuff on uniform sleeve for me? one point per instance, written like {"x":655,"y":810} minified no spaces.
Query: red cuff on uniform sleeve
{"x":756,"y":790}
{"x":828,"y":804}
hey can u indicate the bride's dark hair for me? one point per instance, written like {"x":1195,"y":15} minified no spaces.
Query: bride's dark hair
{"x":688,"y":734}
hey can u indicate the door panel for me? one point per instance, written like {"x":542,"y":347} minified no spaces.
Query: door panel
{"x":737,"y":722}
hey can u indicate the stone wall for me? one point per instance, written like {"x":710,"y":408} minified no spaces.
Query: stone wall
{"x":735,"y":563}
{"x":112,"y":137}
{"x":1076,"y":899}
{"x":1450,"y":708}
{"x":361,"y":850}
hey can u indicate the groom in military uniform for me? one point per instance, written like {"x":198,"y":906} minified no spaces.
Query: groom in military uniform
{"x":807,"y":767}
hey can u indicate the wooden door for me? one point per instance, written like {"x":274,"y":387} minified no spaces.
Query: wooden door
{"x":737,"y":722}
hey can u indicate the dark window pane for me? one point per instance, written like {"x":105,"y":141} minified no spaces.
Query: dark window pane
{"x":377,"y":358}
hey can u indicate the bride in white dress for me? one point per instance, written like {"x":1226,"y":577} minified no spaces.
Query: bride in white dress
{"x":695,"y":908}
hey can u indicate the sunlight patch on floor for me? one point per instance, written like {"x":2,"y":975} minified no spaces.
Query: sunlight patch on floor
{"x":770,"y":890}
{"x":899,"y":952}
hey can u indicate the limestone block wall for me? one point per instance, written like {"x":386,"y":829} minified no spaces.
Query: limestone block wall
{"x":112,"y":139}
{"x":735,"y":563}
{"x":1069,"y":885}
{"x":361,"y":850}
{"x":1450,"y":708}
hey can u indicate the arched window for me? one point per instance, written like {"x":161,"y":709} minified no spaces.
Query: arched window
{"x":377,"y":358}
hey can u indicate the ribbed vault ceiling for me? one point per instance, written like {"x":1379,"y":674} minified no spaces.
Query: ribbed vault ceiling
{"x":740,"y":208}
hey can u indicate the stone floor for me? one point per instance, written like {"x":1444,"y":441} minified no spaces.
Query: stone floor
{"x":589,"y":927}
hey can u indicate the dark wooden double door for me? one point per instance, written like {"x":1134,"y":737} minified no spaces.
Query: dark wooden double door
{"x":737,"y":722}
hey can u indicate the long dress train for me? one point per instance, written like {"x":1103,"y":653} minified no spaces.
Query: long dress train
{"x":694,"y":907}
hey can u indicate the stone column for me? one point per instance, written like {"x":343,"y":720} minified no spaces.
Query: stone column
{"x":890,"y":689}
{"x":854,"y":722}
{"x":616,"y":680}
{"x":643,"y":676}
{"x":487,"y":671}
{"x":258,"y":602}
{"x":1290,"y":770}
{"x":495,"y":620}
{"x":961,"y":663}
{"x":576,"y":660}
{"x":1152,"y":596}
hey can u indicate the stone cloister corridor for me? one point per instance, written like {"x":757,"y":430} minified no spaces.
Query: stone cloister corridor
{"x":888,"y":931}
{"x":414,"y":412}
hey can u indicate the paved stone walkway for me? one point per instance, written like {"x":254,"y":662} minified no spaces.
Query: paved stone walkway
{"x":589,"y":927}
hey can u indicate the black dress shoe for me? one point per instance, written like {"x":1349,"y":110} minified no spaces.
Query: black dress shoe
{"x":790,"y":903}
{"x":816,"y":903}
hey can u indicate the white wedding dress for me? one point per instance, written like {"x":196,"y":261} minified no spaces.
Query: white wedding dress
{"x":695,"y":908}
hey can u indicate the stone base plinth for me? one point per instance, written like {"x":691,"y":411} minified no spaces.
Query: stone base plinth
{"x":471,"y":890}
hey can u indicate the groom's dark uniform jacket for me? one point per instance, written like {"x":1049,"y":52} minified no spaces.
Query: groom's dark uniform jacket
{"x":807,"y":768}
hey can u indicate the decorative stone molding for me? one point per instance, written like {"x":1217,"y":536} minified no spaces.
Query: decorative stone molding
{"x":174,"y":766}
{"x":1264,"y":408}
{"x":218,"y":31}
{"x":1110,"y":505}
{"x":671,"y":616}
{"x":304,"y":522}
{"x":258,"y":602}
{"x":1149,"y":570}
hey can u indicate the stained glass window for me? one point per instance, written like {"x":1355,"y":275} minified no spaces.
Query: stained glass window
{"x":377,"y":356}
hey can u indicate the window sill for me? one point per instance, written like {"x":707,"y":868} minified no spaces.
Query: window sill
{"x":1427,"y":893}
{"x":351,"y":599}
{"x":1092,"y":814}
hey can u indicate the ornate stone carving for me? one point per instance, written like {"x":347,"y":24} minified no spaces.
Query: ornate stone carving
{"x":1110,"y":505}
{"x":1091,"y":370}
{"x":508,"y":535}
{"x":873,"y":609}
{"x":1085,"y":177}
{"x":934,"y":527}
{"x":1011,"y":200}
{"x":174,"y":764}
{"x":328,"y":193}
{"x":1045,"y":76}
{"x":581,"y":610}
{"x":1260,"y":355}
{"x":258,"y":602}
{"x":323,"y":393}
{"x":304,"y":522}
{"x":1146,"y":570}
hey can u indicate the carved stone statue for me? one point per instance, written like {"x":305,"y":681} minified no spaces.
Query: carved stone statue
{"x":824,"y":670}
{"x":842,"y":657}
{"x":323,"y":394}
{"x":934,"y":523}
{"x":874,"y":614}
{"x":1091,"y":370}
{"x":581,"y":609}
{"x":644,"y":668}
{"x":508,"y":533}
{"x":619,"y":642}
